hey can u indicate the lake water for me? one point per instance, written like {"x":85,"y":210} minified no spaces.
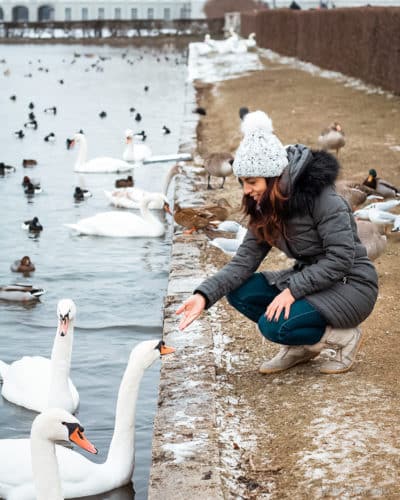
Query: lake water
{"x":118,"y":285}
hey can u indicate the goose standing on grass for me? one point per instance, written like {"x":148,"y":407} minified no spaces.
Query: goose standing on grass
{"x":36,"y":382}
{"x":81,"y":477}
{"x":332,"y":138}
{"x":29,"y":467}
{"x":132,"y":197}
{"x":134,"y":152}
{"x":218,"y":165}
{"x":102,"y":164}
{"x":125,"y":224}
{"x":20,"y":293}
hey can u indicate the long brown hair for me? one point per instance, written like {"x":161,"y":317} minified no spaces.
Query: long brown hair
{"x":267,"y":216}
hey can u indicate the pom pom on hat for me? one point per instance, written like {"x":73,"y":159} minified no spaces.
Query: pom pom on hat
{"x":260,"y":153}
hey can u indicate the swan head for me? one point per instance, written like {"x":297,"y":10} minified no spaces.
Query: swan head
{"x":150,"y":350}
{"x":66,"y":312}
{"x":128,"y":135}
{"x":252,"y":36}
{"x":56,"y":424}
{"x":75,"y":140}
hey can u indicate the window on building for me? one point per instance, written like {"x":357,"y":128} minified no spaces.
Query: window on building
{"x":100,"y":13}
{"x":133,"y":13}
{"x":68,"y":14}
{"x":185,"y":11}
{"x":117,"y":13}
{"x":85,"y":14}
{"x":167,"y":14}
{"x":150,"y":13}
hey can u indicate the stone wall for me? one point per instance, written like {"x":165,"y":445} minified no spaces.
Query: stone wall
{"x":361,"y":42}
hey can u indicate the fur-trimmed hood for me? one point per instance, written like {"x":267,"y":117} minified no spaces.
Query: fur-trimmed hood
{"x":307,"y":174}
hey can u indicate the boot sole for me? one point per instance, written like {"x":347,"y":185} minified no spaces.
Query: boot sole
{"x":348,"y":368}
{"x":278,"y":370}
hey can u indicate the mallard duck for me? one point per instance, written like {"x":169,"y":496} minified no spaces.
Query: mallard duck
{"x":218,"y":165}
{"x":20,"y":293}
{"x":24,"y":265}
{"x":354,"y":193}
{"x":123,"y":183}
{"x":195,"y":218}
{"x":332,"y":137}
{"x":384,"y":188}
{"x":374,"y":242}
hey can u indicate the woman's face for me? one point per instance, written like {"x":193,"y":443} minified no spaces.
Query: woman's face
{"x":254,"y":187}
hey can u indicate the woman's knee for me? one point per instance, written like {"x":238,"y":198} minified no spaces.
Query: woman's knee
{"x":269,"y":329}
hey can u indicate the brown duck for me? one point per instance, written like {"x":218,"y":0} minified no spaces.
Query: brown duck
{"x":123,"y":183}
{"x":332,"y":137}
{"x":195,"y":218}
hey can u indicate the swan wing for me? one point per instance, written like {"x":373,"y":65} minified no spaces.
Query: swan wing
{"x":103,"y":165}
{"x":118,"y":225}
{"x":27,"y":382}
{"x":121,"y":200}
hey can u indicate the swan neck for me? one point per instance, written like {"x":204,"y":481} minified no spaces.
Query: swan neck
{"x":46,"y":476}
{"x":60,"y":365}
{"x":82,"y":153}
{"x":121,"y":453}
{"x":167,"y":181}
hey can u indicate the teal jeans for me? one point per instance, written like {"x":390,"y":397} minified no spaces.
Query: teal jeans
{"x":305,"y":325}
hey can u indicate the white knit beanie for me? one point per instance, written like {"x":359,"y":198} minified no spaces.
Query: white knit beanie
{"x":261,"y":153}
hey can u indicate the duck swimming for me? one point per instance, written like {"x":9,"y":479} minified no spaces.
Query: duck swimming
{"x":123,"y":183}
{"x":6,"y":169}
{"x":33,"y":225}
{"x":20,"y":293}
{"x":24,"y":265}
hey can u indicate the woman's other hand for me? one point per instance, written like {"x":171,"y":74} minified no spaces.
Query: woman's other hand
{"x":281,"y":302}
{"x":191,"y":309}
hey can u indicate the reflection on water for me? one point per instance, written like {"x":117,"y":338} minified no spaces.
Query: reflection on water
{"x":125,"y":493}
{"x":118,"y":285}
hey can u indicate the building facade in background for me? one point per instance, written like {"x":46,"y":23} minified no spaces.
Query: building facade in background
{"x":82,"y":10}
{"x":78,"y":10}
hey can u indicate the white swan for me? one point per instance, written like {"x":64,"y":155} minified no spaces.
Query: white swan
{"x":37,"y":383}
{"x":101,"y":164}
{"x":79,"y":476}
{"x":134,"y":152}
{"x":132,"y":197}
{"x":29,"y":468}
{"x":123,"y":224}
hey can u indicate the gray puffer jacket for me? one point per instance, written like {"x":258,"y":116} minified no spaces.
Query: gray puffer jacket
{"x":332,"y":270}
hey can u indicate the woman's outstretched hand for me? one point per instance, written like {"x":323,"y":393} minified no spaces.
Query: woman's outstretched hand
{"x":191,"y":309}
{"x":281,"y":302}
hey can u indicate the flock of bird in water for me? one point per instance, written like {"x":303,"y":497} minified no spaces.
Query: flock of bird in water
{"x":31,"y":382}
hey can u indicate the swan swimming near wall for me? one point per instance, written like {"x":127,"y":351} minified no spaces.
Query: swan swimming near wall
{"x":81,"y":477}
{"x":119,"y":224}
{"x":134,"y":152}
{"x":36,"y":382}
{"x":101,"y":164}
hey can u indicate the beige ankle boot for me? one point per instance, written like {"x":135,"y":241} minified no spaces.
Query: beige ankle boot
{"x":288,"y":356}
{"x":340,"y":347}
